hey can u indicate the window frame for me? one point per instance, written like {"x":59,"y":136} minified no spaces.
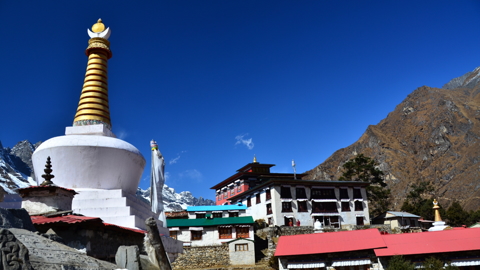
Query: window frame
{"x":225,"y":232}
{"x":286,"y":209}
{"x":242,"y":232}
{"x":301,"y":208}
{"x":196,"y":235}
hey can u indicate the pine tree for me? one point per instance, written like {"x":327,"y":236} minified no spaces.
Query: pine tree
{"x":365,"y":169}
{"x":400,"y":263}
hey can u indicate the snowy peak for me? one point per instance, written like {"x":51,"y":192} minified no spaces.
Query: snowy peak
{"x":468,"y":80}
{"x":173,"y":201}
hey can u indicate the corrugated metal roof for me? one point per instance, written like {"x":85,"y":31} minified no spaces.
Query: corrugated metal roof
{"x":71,"y":219}
{"x":402,"y":214}
{"x":458,"y":239}
{"x":205,"y":222}
{"x":329,"y":242}
{"x":216,"y":208}
{"x":64,"y":219}
{"x":461,"y":239}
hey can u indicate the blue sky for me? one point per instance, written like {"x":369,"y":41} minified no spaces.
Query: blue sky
{"x":217,"y":82}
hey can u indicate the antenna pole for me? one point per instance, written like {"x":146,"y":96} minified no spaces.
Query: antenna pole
{"x":294,"y":170}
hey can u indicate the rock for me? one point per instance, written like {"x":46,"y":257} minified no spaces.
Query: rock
{"x":13,"y":254}
{"x":45,"y":254}
{"x":128,"y":257}
{"x":16,"y":218}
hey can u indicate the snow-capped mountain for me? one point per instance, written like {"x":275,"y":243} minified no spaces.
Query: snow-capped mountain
{"x":16,"y":171}
{"x":173,"y":201}
{"x":15,"y":166}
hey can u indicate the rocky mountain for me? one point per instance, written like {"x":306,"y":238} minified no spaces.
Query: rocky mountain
{"x":16,"y":171}
{"x":173,"y":201}
{"x":433,"y":135}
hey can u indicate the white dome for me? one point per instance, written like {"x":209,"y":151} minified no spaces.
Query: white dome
{"x":90,"y":161}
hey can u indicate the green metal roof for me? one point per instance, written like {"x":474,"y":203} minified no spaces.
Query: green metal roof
{"x":205,"y":222}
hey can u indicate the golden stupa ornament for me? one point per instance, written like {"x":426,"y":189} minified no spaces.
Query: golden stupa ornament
{"x":98,"y":27}
{"x":93,"y":107}
{"x":436,"y":208}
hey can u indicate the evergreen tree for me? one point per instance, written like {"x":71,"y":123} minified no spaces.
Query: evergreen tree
{"x":365,"y":169}
{"x":456,"y":216}
{"x":400,"y":263}
{"x":418,"y":201}
{"x":432,"y":263}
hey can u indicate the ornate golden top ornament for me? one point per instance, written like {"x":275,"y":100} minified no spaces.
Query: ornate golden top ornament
{"x":93,"y":107}
{"x":436,"y":208}
{"x":98,"y":27}
{"x":255,"y":159}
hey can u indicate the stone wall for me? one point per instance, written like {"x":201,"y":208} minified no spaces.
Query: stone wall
{"x":203,"y":257}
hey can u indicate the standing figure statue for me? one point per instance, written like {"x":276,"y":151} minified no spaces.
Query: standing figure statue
{"x":157,"y":180}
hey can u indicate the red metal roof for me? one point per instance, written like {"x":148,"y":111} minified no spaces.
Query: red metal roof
{"x":329,"y":242}
{"x":40,"y":220}
{"x":62,"y":219}
{"x":460,"y":239}
{"x":454,"y":240}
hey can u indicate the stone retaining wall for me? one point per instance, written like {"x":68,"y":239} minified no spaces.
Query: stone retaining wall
{"x":203,"y":257}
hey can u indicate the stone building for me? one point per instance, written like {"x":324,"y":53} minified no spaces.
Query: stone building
{"x":244,"y":179}
{"x":291,"y":202}
{"x":212,"y":225}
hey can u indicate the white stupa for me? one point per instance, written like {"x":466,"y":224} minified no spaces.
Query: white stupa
{"x":104,"y":170}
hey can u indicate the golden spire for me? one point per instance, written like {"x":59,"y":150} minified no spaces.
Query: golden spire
{"x":93,"y":107}
{"x":436,"y":208}
{"x":255,"y":159}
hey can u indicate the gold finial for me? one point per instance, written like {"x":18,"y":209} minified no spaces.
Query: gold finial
{"x":255,"y":159}
{"x":436,"y":208}
{"x":98,"y":27}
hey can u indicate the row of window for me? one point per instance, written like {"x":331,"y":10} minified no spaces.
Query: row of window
{"x":228,"y":193}
{"x":315,"y":193}
{"x":223,"y":233}
{"x":319,"y":193}
{"x":318,"y":207}
{"x":216,"y":215}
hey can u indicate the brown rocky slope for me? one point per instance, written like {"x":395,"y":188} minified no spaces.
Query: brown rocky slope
{"x":433,"y":135}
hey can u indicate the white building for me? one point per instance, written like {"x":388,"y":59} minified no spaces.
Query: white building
{"x":212,"y":225}
{"x":339,"y":204}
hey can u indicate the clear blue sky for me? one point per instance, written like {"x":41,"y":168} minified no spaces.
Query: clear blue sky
{"x":297,"y":79}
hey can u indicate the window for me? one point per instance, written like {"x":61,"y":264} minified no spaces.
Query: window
{"x":258,"y":198}
{"x":358,"y":206}
{"x":301,"y":193}
{"x":225,"y":195}
{"x":241,"y":247}
{"x":249,"y":202}
{"x":357,"y":194}
{"x":269,"y":209}
{"x":225,"y":232}
{"x":360,"y":221}
{"x":268,"y":195}
{"x":243,"y":232}
{"x":344,"y":194}
{"x":324,"y":207}
{"x":270,"y":221}
{"x":232,"y":191}
{"x":302,"y":206}
{"x":217,"y":215}
{"x":199,"y":215}
{"x":239,"y":188}
{"x":285,"y":193}
{"x":286,"y":206}
{"x":323,"y":193}
{"x":334,"y":222}
{"x":345,"y":206}
{"x":196,"y":235}
{"x":232,"y":214}
{"x":173,"y":234}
